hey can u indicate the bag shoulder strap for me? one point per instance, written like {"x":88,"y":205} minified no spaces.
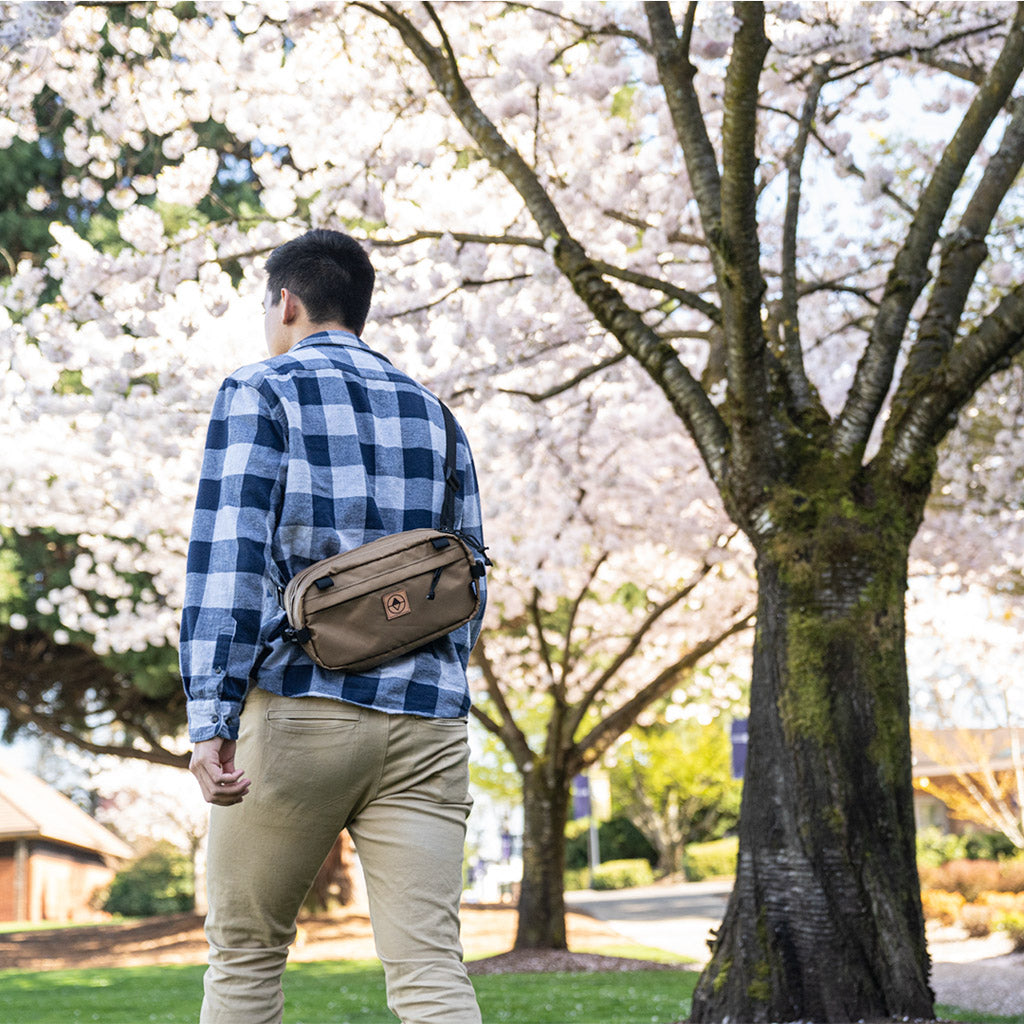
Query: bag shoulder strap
{"x":451,"y":479}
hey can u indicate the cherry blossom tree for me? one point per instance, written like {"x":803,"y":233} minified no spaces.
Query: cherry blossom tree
{"x":786,"y":230}
{"x":598,"y":610}
{"x":562,"y":678}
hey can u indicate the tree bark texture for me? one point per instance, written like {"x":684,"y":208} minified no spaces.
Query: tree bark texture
{"x":542,"y":896}
{"x":825,"y":919}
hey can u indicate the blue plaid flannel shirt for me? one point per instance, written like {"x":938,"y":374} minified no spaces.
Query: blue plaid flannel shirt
{"x":308,"y":454}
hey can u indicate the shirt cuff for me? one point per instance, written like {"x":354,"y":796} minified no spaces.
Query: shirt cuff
{"x":210,"y":718}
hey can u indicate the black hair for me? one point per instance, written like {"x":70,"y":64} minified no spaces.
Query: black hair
{"x":329,"y":272}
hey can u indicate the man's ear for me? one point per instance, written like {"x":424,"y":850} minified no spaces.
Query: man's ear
{"x":291,"y":306}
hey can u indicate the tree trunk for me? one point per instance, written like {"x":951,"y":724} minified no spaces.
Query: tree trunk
{"x":333,"y":881}
{"x":542,"y":896}
{"x":825,"y":919}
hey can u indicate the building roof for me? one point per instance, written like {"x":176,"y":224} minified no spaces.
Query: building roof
{"x":30,"y":809}
{"x":961,"y":751}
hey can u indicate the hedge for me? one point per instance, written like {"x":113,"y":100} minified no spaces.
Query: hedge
{"x":716,"y":859}
{"x":622,"y":874}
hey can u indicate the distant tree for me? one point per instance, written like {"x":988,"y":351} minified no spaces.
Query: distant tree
{"x":674,"y":781}
{"x":563,"y":677}
{"x":333,"y":884}
{"x":53,"y":679}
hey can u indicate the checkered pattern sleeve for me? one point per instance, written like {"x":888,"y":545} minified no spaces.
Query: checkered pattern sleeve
{"x":228,"y":554}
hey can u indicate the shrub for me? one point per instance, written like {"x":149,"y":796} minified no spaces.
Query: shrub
{"x":941,"y":906}
{"x":716,"y":859}
{"x":1011,"y":874}
{"x":1013,"y":924}
{"x":622,"y":874}
{"x":159,"y":882}
{"x":976,"y":920}
{"x":970,"y":878}
{"x":576,"y":879}
{"x":935,"y":847}
{"x":988,"y":846}
{"x":973,"y":877}
{"x":617,"y":839}
{"x":1002,"y":901}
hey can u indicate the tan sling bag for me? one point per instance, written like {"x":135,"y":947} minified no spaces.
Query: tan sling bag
{"x":358,"y":609}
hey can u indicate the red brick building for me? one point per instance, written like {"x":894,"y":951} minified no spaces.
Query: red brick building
{"x":53,"y":856}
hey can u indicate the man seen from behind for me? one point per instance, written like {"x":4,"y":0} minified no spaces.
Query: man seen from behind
{"x":320,"y":448}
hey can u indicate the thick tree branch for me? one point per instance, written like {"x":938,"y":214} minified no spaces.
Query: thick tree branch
{"x":506,"y":730}
{"x":26,"y":715}
{"x":728,"y":209}
{"x":800,"y":389}
{"x":558,"y":389}
{"x":464,"y":237}
{"x":468,"y":285}
{"x":608,"y":306}
{"x":964,"y":252}
{"x":537,"y":618}
{"x":574,"y":614}
{"x":591,"y":31}
{"x":910,"y":269}
{"x":986,"y":350}
{"x":676,"y":73}
{"x":682,"y":295}
{"x":925,"y":56}
{"x":838,"y":287}
{"x":676,"y":237}
{"x":612,"y":726}
{"x":742,"y":285}
{"x":636,"y":639}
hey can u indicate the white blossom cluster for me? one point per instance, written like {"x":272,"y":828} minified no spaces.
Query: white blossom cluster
{"x":107,"y":386}
{"x":21,"y":21}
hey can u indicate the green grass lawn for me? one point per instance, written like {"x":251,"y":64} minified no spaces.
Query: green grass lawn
{"x":333,"y":992}
{"x":340,"y":993}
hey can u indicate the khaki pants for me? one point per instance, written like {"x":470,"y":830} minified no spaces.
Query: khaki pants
{"x":400,"y":785}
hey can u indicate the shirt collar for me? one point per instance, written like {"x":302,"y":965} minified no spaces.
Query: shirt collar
{"x":346,"y":339}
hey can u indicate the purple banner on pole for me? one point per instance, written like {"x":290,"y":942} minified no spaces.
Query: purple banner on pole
{"x":739,"y":747}
{"x":580,"y":797}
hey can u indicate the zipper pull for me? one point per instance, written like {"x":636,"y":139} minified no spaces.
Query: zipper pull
{"x":434,"y":582}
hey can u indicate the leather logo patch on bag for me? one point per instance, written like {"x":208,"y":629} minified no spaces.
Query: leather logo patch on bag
{"x":396,"y":604}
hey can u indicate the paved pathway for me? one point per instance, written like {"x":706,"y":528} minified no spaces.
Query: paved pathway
{"x":979,"y":974}
{"x":676,"y":918}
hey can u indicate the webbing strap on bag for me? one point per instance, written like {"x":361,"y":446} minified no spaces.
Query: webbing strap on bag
{"x":451,"y":479}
